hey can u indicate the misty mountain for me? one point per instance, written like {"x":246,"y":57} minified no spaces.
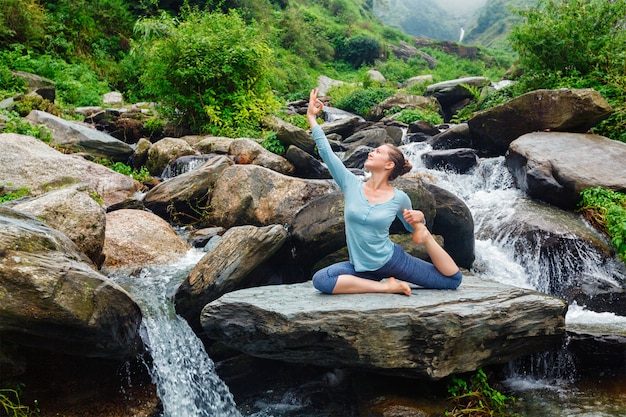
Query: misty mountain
{"x":485,"y":22}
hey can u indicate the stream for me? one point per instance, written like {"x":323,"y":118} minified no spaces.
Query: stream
{"x":547,"y":384}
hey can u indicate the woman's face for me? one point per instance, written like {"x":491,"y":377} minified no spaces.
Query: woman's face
{"x":378,"y":159}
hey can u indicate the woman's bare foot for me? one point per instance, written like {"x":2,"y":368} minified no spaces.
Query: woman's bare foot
{"x":398,"y":287}
{"x":420,"y":233}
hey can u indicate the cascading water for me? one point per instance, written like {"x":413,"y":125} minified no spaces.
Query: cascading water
{"x":545,"y":379}
{"x":181,"y":369}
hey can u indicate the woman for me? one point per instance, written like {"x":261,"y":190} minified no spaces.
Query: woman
{"x":370,"y":208}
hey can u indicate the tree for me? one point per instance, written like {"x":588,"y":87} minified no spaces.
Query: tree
{"x":361,"y":50}
{"x":573,"y":36}
{"x":208,"y":71}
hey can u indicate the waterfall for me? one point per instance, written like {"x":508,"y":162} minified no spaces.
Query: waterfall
{"x":181,"y":369}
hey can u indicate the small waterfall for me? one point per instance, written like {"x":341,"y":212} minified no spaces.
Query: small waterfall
{"x":181,"y":369}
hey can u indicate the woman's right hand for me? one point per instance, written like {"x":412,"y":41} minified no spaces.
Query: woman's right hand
{"x":314,"y":108}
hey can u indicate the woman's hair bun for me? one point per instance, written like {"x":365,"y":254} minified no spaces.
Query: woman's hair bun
{"x":407,"y":167}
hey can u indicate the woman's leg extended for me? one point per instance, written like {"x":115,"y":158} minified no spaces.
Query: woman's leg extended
{"x":341,"y":278}
{"x":417,"y":271}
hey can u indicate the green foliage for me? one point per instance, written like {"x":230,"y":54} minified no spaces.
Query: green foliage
{"x":28,"y":103}
{"x":12,"y":405}
{"x":122,"y":168}
{"x":9,"y":193}
{"x":22,"y":21}
{"x":10,"y":84}
{"x":75,"y":84}
{"x":98,"y":29}
{"x":272,"y":144}
{"x":477,"y":398}
{"x":154,"y":126}
{"x":409,"y":116}
{"x":466,"y":112}
{"x":606,"y":211}
{"x":361,"y":50}
{"x":11,"y":122}
{"x":572,"y":36}
{"x":210,"y":73}
{"x":361,"y":100}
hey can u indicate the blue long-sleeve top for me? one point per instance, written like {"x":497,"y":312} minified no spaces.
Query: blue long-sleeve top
{"x":367,"y":225}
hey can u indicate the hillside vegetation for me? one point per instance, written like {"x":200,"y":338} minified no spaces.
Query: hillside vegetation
{"x":221,"y":68}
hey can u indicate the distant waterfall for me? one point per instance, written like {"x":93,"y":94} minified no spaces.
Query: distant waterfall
{"x":461,"y":35}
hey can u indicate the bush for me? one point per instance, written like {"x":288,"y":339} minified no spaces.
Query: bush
{"x":21,"y":21}
{"x":362,"y":100}
{"x":606,"y":211}
{"x":409,"y":116}
{"x":13,"y":123}
{"x":477,"y":398}
{"x":572,"y":36}
{"x":209,"y":72}
{"x":361,"y":50}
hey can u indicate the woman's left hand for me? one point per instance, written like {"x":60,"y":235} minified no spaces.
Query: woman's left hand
{"x":413,"y":217}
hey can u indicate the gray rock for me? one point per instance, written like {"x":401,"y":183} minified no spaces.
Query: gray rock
{"x":225,"y":267}
{"x":460,"y":160}
{"x":78,"y":137}
{"x":555,"y":167}
{"x":163,"y":152}
{"x":432,"y":334}
{"x":74,"y":212}
{"x":51,"y":297}
{"x":185,"y":196}
{"x":250,"y":194}
{"x":306,"y":165}
{"x":28,"y":162}
{"x":247,"y":151}
{"x":564,"y":110}
{"x":456,"y":136}
{"x":135,"y":238}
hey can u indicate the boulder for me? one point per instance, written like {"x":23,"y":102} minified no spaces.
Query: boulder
{"x":454,"y":222}
{"x":290,"y":135}
{"x":452,"y":92}
{"x":75,"y":213}
{"x":343,"y":126}
{"x":113,"y":98}
{"x":214,"y":144}
{"x":555,"y":167}
{"x":564,"y":110}
{"x":225,"y":267}
{"x":562,"y":255}
{"x":460,"y":160}
{"x":306,"y":165}
{"x":432,"y":334}
{"x":455,"y":136}
{"x":254,"y":195}
{"x":373,"y":137}
{"x":401,"y":101}
{"x":247,"y":151}
{"x":184,"y":197}
{"x":28,"y":162}
{"x":79,"y":137}
{"x":136,"y":238}
{"x":52,"y":298}
{"x":165,"y":151}
{"x":325,"y":83}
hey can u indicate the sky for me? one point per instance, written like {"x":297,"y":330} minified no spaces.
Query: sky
{"x":459,"y":5}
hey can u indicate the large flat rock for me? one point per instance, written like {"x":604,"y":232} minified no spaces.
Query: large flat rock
{"x":432,"y":334}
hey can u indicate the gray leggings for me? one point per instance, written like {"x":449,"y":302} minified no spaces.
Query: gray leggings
{"x":401,"y":266}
